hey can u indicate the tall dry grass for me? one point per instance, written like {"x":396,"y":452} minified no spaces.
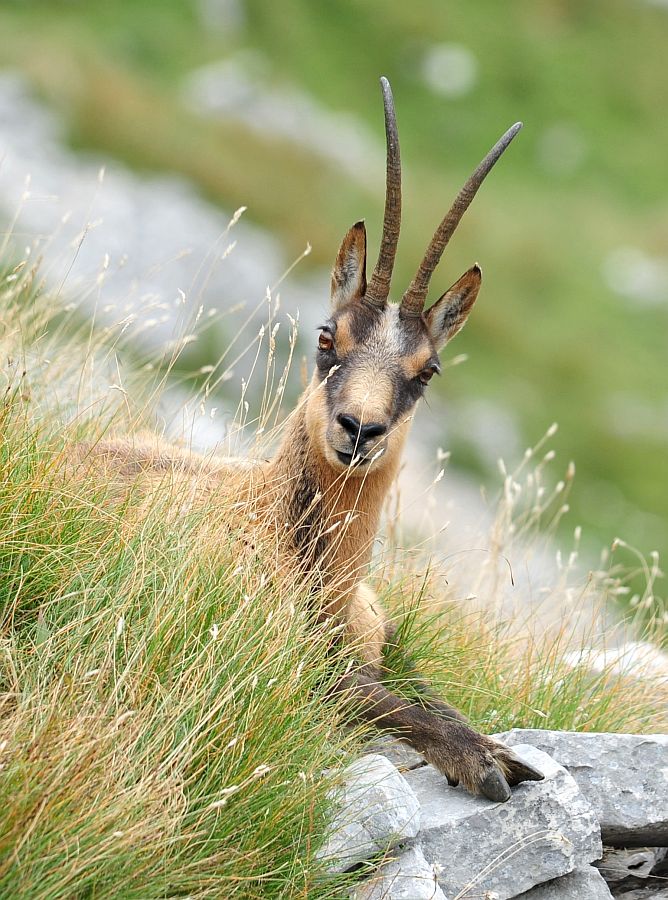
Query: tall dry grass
{"x":166,"y":724}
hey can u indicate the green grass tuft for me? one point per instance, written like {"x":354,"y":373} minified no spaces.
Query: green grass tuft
{"x":165,"y":727}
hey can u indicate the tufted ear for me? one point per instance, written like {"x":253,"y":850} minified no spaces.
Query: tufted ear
{"x":349,"y":272}
{"x":448,"y":315}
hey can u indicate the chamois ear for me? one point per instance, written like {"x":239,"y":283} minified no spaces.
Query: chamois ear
{"x":448,"y":315}
{"x":349,"y":272}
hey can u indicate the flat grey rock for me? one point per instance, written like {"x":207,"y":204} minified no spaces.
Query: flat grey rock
{"x":376,"y":811}
{"x":637,"y":862}
{"x":584,"y":884}
{"x":399,"y":754}
{"x":545,"y":830}
{"x":624,"y":777}
{"x":408,"y":877}
{"x":648,"y":893}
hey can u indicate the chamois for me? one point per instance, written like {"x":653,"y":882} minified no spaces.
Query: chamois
{"x":323,"y":491}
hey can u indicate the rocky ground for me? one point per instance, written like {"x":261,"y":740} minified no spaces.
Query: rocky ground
{"x":595,"y":828}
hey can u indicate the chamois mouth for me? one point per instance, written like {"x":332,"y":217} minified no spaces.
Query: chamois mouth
{"x":347,"y":458}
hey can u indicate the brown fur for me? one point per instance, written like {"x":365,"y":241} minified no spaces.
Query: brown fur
{"x":321,"y":496}
{"x":332,"y":511}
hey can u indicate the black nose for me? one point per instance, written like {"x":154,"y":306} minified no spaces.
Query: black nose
{"x":360,"y":433}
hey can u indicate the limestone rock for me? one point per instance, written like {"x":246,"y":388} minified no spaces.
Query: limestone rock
{"x":624,"y":777}
{"x":644,"y":893}
{"x":638,"y":862}
{"x":408,"y":877}
{"x":376,"y":811}
{"x":545,"y":830}
{"x":583,"y":884}
{"x":399,"y":754}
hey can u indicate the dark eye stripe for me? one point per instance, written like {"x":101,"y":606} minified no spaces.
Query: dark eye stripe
{"x":407,"y":391}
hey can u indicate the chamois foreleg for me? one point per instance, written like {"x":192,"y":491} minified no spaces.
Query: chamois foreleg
{"x":431,"y":726}
{"x":480,"y":764}
{"x":426,"y":695}
{"x":369,"y":634}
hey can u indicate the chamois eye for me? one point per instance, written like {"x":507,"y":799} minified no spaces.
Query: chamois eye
{"x":325,"y":341}
{"x":425,"y":375}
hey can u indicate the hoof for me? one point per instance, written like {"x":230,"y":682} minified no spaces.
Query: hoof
{"x":495,"y":787}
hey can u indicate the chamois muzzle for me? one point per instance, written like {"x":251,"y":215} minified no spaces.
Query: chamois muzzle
{"x":357,"y":441}
{"x":359,"y":433}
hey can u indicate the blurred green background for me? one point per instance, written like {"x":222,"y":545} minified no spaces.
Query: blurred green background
{"x":571,"y":230}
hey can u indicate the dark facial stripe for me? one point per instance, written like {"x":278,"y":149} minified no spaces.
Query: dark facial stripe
{"x":337,"y":379}
{"x":383,"y":339}
{"x":363,"y":321}
{"x":407,"y":391}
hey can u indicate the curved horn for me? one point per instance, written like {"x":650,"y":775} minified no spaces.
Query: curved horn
{"x":412,"y":303}
{"x":379,"y":286}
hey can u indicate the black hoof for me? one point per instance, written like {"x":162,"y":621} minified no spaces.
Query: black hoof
{"x":519,"y":771}
{"x":495,"y":787}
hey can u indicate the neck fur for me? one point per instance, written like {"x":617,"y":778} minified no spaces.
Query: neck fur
{"x":333,"y":518}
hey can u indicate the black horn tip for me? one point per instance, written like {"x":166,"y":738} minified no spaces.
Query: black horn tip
{"x":502,"y":144}
{"x":388,"y":99}
{"x":512,"y":131}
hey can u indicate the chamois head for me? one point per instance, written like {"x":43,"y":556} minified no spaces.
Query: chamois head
{"x":374,"y":358}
